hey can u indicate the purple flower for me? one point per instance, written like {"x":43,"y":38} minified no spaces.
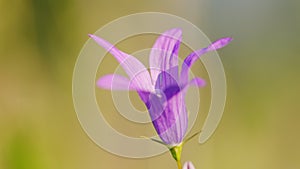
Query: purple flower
{"x":188,"y":165}
{"x":162,"y":89}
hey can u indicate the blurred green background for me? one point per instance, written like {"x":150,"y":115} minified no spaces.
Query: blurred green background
{"x":41,"y":39}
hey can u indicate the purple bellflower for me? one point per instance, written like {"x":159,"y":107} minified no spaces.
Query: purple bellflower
{"x":162,"y":88}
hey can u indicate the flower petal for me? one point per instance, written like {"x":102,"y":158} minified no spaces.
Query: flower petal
{"x":137,"y":72}
{"x":115,"y":82}
{"x":169,"y":117}
{"x":164,"y":53}
{"x":188,"y":165}
{"x":198,"y":82}
{"x":167,"y":108}
{"x":167,"y":84}
{"x":194,"y":56}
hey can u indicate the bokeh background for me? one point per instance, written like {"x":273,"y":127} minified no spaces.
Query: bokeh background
{"x":41,"y":39}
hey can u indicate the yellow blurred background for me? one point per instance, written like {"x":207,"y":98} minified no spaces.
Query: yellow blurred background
{"x":41,"y":39}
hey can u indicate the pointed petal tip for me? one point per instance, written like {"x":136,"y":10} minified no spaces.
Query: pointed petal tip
{"x":223,"y":41}
{"x":101,"y":84}
{"x":175,"y":30}
{"x":220,"y":43}
{"x":228,"y":39}
{"x":173,"y":33}
{"x":94,"y":37}
{"x":114,"y":82}
{"x":199,"y":82}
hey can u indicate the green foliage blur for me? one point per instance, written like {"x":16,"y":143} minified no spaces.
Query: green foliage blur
{"x":41,"y":39}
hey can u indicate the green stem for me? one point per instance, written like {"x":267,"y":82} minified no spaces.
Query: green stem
{"x":176,"y":150}
{"x":176,"y":153}
{"x":179,"y":164}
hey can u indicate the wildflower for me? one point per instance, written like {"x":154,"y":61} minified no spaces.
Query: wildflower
{"x":188,"y":165}
{"x":162,"y":89}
